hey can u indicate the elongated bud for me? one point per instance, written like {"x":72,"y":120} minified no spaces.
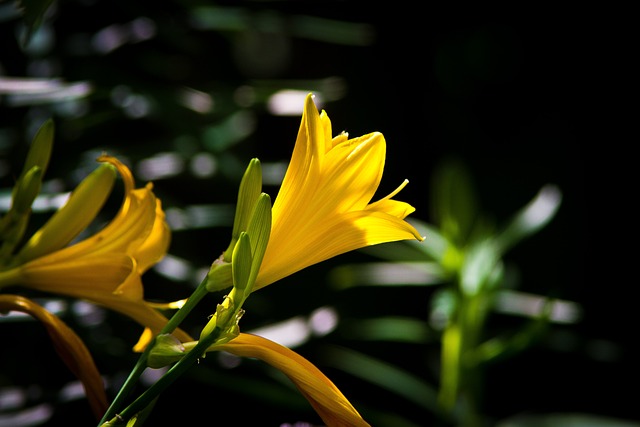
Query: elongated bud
{"x":14,"y":224}
{"x":37,"y":160}
{"x":250,"y":188}
{"x":24,"y":193}
{"x":27,"y":190}
{"x":41,"y":147}
{"x":83,"y":205}
{"x":259,"y":231}
{"x":241,"y":264}
{"x":249,"y":251}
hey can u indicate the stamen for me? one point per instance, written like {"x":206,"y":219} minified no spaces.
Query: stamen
{"x":397,"y":190}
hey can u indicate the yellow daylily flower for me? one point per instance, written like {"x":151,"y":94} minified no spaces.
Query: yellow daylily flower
{"x":323,"y":207}
{"x":68,"y":345}
{"x":106,"y":268}
{"x":327,"y":400}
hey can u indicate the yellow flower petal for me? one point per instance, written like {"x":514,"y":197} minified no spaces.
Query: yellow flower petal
{"x":68,"y":345}
{"x":324,"y":208}
{"x":156,"y":244}
{"x":117,"y":286}
{"x":125,"y":233}
{"x":78,"y":277}
{"x":328,"y":401}
{"x":106,"y":267}
{"x":128,"y":230}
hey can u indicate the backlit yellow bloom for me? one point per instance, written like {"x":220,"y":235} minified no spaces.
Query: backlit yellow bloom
{"x":327,"y":400}
{"x":323,"y":208}
{"x":106,"y":268}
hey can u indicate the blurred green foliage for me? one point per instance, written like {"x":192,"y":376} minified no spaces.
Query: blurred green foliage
{"x":464,"y":258}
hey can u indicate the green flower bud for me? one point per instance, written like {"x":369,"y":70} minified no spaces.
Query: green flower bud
{"x":241,"y":263}
{"x":250,"y":188}
{"x":259,"y":231}
{"x":219,"y":276}
{"x":14,"y":224}
{"x":81,"y":208}
{"x":167,"y":350}
{"x":12,"y":228}
{"x":27,"y":190}
{"x":40,"y":151}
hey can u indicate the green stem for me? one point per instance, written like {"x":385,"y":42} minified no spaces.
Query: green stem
{"x":474,"y":314}
{"x":460,"y":379}
{"x":450,"y":370}
{"x":141,"y":365}
{"x":167,"y":379}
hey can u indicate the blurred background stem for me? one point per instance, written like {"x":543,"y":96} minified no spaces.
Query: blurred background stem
{"x":461,"y":384}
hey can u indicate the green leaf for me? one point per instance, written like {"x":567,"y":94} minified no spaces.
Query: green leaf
{"x":33,"y":12}
{"x":566,"y":420}
{"x":384,"y":375}
{"x":387,"y":274}
{"x":530,"y":219}
{"x":394,"y":329}
{"x":454,"y":202}
{"x":482,"y":267}
{"x":500,"y":347}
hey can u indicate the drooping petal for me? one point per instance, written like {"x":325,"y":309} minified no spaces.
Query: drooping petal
{"x":328,"y":401}
{"x":68,"y":345}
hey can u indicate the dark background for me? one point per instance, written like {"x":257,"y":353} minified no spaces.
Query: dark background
{"x":501,"y":90}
